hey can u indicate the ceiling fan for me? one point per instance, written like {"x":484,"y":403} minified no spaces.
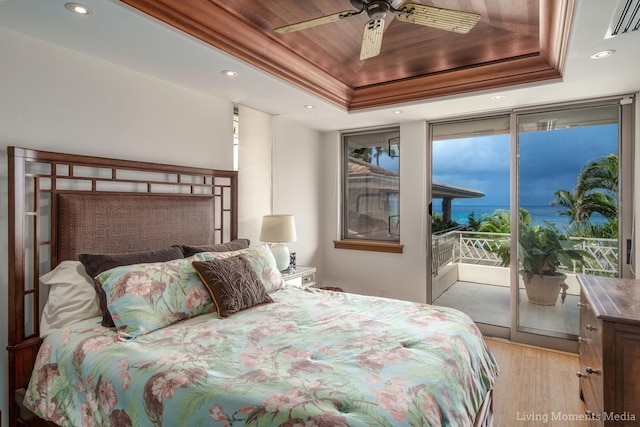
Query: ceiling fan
{"x":444,"y":19}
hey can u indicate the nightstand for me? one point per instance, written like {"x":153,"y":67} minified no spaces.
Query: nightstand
{"x":303,"y":277}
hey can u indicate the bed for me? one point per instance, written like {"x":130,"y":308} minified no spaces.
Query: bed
{"x":232,"y":344}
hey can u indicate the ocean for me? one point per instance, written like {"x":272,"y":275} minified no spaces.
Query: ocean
{"x":539,"y":214}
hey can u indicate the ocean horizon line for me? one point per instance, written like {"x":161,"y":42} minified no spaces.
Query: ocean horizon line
{"x":539,"y":214}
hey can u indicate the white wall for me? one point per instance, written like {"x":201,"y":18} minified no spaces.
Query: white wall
{"x":636,"y":192}
{"x":279,"y":173}
{"x":297,"y":181}
{"x":57,"y":100}
{"x":401,"y":276}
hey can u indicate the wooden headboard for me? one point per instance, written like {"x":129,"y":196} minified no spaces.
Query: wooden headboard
{"x":61,"y":205}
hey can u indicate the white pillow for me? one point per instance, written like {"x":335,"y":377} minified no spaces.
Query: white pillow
{"x":72,"y":297}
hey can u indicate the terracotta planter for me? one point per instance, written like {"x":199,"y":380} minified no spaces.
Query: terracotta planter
{"x":543,"y":290}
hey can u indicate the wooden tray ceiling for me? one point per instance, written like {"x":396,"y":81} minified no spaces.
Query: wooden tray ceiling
{"x":515,"y":42}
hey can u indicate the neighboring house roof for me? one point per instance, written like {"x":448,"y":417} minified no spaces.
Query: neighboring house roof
{"x":441,"y":191}
{"x":361,"y":168}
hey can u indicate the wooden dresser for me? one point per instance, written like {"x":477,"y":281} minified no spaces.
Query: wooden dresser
{"x":610,"y":350}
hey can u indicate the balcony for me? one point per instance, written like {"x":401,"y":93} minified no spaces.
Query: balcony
{"x":468,"y":276}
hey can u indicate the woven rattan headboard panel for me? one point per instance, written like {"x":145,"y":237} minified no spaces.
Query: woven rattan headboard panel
{"x":108,"y":223}
{"x":64,"y":204}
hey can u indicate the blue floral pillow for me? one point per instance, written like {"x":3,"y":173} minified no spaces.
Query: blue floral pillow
{"x":260,"y":258}
{"x":144,"y":297}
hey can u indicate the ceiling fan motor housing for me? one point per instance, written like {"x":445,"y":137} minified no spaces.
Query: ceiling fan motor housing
{"x":377,"y":9}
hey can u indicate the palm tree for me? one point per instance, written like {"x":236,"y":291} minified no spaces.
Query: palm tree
{"x":377,"y":152}
{"x":596,"y":191}
{"x":572,"y":207}
{"x":604,"y":204}
{"x":498,"y":222}
{"x":599,"y":174}
{"x":474,"y":223}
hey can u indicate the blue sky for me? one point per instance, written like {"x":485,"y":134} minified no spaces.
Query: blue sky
{"x":549,"y":161}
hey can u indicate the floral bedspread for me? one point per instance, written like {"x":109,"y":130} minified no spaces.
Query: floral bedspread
{"x":313,"y":357}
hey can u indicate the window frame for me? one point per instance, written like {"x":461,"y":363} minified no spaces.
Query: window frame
{"x":345,"y":242}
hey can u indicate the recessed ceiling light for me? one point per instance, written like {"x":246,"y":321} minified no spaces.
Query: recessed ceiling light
{"x":603,"y":54}
{"x":230,"y":73}
{"x":498,"y":97}
{"x":78,"y":8}
{"x":309,"y":107}
{"x":397,"y":112}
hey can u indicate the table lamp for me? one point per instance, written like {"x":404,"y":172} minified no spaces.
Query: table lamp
{"x":278,"y":230}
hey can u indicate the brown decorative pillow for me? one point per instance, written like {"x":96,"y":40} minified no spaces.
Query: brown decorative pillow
{"x":98,"y":263}
{"x":234,"y":245}
{"x":233,"y":283}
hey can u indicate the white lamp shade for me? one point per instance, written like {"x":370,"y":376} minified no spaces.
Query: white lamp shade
{"x":278,"y":229}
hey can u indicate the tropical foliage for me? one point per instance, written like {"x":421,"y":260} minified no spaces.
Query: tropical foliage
{"x":596,"y":192}
{"x":367,"y":154}
{"x":438,"y":224}
{"x":541,"y":249}
{"x":500,"y":221}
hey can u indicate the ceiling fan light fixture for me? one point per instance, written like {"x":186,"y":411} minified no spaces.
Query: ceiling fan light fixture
{"x":377,"y":9}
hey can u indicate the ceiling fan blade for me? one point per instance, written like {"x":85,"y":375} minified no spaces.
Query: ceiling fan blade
{"x":444,"y":19}
{"x":317,"y":21}
{"x":372,"y":39}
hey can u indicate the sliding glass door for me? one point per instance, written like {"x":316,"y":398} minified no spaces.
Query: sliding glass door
{"x":470,"y":212}
{"x":568,"y":203}
{"x":523,"y":203}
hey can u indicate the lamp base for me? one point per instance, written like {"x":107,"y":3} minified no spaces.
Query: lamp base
{"x":280,"y":252}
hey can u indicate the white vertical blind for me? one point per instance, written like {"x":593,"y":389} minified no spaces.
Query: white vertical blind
{"x":255,"y":134}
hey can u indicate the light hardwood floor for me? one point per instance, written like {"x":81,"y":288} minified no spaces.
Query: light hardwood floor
{"x":536,"y":386}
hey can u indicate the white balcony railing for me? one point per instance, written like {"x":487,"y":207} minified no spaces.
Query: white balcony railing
{"x":475,"y":248}
{"x":471,"y":247}
{"x":604,"y":256}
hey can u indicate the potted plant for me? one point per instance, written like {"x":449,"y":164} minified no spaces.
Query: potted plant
{"x":541,"y":250}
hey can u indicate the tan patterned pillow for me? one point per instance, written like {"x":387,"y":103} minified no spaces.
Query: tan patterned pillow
{"x":233,"y":284}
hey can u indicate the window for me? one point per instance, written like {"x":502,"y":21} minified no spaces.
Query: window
{"x":371,"y":203}
{"x":236,"y":137}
